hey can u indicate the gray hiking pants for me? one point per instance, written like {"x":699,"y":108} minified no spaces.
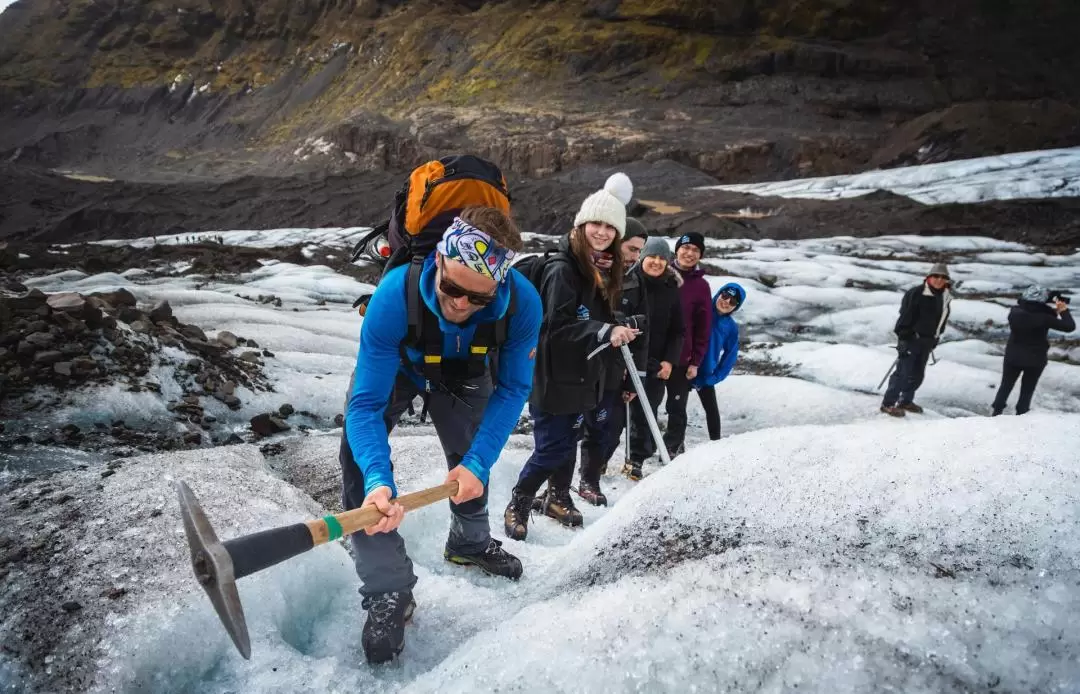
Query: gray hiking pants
{"x":381,"y":561}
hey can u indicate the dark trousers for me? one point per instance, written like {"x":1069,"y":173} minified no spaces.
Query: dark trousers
{"x":642,"y":445}
{"x":603,"y":427}
{"x":381,"y":560}
{"x":712,"y":411}
{"x":1029,"y":379}
{"x":555,"y":439}
{"x":910,"y":370}
{"x":678,"y":388}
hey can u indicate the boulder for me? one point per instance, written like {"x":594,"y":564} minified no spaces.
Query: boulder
{"x":118,"y":298}
{"x":40,"y":339}
{"x":267,"y":424}
{"x":227,"y":338}
{"x":48,"y":357}
{"x":161,"y":312}
{"x":68,"y":302}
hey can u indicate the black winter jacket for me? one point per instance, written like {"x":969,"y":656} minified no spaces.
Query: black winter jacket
{"x":1029,"y":323}
{"x":576,"y":322}
{"x":923,"y":313}
{"x":659,"y":299}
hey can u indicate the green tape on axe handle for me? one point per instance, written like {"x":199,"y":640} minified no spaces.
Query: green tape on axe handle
{"x":334,"y":527}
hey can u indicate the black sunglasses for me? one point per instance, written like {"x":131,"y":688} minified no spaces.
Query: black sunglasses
{"x":455,"y":291}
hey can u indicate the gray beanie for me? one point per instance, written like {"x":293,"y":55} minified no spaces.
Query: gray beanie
{"x":635,"y":229}
{"x":939,"y":269}
{"x":657,"y":246}
{"x":1037,"y":294}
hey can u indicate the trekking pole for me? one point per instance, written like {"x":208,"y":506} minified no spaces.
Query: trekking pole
{"x":626,"y":436}
{"x":888,"y":373}
{"x":645,"y":405}
{"x":218,"y":564}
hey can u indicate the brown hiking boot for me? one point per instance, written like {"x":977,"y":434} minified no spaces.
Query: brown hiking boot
{"x":632,"y":470}
{"x":893,"y":411}
{"x":557,"y":504}
{"x":516,"y":516}
{"x":911,"y":407}
{"x":590,"y":492}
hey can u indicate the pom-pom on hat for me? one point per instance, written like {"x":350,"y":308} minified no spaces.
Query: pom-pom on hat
{"x":608,"y":205}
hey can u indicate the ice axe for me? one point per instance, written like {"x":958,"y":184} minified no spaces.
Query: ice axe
{"x":888,"y":373}
{"x":218,"y":564}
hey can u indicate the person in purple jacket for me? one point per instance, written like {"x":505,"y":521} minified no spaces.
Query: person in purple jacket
{"x":697,"y":310}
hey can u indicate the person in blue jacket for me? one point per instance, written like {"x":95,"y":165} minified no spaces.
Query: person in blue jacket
{"x":469,"y":294}
{"x":721,"y":354}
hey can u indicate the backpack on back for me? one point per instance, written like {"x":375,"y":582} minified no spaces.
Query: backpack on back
{"x":427,"y":203}
{"x":424,"y":207}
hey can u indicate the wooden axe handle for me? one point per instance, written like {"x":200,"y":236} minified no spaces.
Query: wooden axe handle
{"x":330,"y":528}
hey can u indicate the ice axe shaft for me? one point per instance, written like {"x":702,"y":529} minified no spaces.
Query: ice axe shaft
{"x":218,"y":564}
{"x":646,"y":406}
{"x":888,"y":373}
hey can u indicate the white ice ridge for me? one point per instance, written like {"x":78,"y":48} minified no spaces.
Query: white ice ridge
{"x":886,"y":556}
{"x":1051,"y":173}
{"x":333,"y":237}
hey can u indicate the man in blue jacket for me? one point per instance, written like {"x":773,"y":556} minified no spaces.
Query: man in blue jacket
{"x":471,"y":302}
{"x":721,"y":353}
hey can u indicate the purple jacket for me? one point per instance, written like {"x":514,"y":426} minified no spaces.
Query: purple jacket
{"x":696,"y":299}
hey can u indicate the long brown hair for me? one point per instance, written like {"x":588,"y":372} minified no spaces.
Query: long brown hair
{"x":582,"y":252}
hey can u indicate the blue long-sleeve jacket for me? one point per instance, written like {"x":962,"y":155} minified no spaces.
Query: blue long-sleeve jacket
{"x":378,"y":363}
{"x":723,"y":347}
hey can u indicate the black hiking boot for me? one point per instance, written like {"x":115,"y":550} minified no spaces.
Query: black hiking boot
{"x":516,"y":515}
{"x":911,"y":407}
{"x":557,"y":504}
{"x":591,"y":470}
{"x":632,"y":470}
{"x":494,"y":561}
{"x":893,"y":411}
{"x":590,"y":492}
{"x":384,"y":631}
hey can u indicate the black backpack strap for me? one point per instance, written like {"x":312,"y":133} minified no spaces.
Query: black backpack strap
{"x":502,"y":326}
{"x":423,"y":331}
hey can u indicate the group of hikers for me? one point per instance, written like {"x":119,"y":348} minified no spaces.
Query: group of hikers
{"x":480,"y":330}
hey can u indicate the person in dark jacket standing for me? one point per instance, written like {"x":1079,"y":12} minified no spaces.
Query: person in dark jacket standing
{"x":580,"y":287}
{"x":1025,"y":354}
{"x":924,"y":312}
{"x":652,"y":288}
{"x":603,"y":426}
{"x":722,"y":352}
{"x":697,"y":311}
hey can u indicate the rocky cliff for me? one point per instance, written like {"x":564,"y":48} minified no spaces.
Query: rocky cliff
{"x":739,"y":89}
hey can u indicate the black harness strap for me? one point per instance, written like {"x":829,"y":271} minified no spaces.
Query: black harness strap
{"x":425,"y":334}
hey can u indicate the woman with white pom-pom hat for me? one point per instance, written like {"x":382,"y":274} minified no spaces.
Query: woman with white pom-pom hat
{"x":580,"y":285}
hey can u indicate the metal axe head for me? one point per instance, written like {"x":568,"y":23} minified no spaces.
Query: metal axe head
{"x":214,"y":569}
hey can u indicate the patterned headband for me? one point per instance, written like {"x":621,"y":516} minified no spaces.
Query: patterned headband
{"x":475,"y":249}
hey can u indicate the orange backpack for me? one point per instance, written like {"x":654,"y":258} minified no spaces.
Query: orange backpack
{"x":425,"y":206}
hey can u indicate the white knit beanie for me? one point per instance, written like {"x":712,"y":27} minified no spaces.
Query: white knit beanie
{"x":608,"y":205}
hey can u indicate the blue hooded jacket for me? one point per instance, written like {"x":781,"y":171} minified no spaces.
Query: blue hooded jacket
{"x":723,"y":347}
{"x":378,"y":363}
